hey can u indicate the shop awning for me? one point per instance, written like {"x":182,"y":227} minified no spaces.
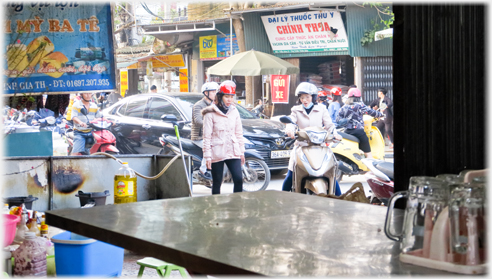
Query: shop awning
{"x":179,"y":32}
{"x":170,"y":60}
{"x":125,"y":64}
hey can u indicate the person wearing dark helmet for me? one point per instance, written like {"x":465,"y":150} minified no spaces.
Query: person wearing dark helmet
{"x":336,"y":104}
{"x":307,"y":114}
{"x":223,"y":137}
{"x":353,"y":111}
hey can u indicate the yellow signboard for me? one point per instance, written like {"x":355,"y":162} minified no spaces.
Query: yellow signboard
{"x":183,"y":80}
{"x":166,"y":61}
{"x":123,"y":81}
{"x":208,"y":47}
{"x":133,"y":66}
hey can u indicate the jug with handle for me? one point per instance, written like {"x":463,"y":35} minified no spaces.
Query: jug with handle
{"x":426,"y":198}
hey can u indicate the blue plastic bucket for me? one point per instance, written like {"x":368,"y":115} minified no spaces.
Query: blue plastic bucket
{"x":86,"y":257}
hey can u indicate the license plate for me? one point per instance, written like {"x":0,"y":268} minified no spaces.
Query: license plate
{"x":280,"y":154}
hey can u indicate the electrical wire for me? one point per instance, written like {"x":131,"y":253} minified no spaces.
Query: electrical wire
{"x":141,"y":175}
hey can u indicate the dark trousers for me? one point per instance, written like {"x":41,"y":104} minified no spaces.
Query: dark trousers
{"x":234,"y":166}
{"x":287,"y":185}
{"x":386,"y":127}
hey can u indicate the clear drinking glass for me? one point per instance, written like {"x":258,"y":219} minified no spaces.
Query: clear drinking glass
{"x":426,"y":198}
{"x":466,"y":218}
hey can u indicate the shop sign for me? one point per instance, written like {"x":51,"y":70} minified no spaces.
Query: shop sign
{"x":217,"y":47}
{"x":183,"y":80}
{"x":58,"y":47}
{"x":133,"y":66}
{"x":280,"y":88}
{"x":123,"y":81}
{"x":306,"y":32}
{"x":166,"y":61}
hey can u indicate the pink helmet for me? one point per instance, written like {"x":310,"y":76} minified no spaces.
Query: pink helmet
{"x":354,"y":92}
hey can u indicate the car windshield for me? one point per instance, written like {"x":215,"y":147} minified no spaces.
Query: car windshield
{"x":187,"y":103}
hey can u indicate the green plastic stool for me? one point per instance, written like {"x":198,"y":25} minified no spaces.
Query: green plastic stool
{"x":163,"y":269}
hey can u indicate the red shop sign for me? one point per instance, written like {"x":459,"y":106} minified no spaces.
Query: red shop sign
{"x":280,"y":88}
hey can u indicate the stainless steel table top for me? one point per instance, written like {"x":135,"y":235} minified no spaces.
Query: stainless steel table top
{"x":270,"y":233}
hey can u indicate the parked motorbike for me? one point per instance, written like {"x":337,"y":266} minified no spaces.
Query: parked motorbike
{"x":102,"y":139}
{"x":380,"y":178}
{"x":256,"y":173}
{"x":348,"y":153}
{"x":315,"y":165}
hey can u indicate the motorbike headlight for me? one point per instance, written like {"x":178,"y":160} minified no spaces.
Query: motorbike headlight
{"x":317,"y":137}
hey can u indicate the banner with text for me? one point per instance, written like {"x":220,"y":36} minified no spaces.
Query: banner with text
{"x":217,"y":47}
{"x":280,"y":88}
{"x":58,"y":47}
{"x":123,"y":82}
{"x":183,"y":80}
{"x":306,"y":32}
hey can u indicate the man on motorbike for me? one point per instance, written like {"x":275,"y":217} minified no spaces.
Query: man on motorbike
{"x":307,"y":114}
{"x":209,"y":89}
{"x":81,"y":130}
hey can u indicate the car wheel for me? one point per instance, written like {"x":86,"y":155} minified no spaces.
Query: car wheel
{"x":256,"y":175}
{"x":279,"y":172}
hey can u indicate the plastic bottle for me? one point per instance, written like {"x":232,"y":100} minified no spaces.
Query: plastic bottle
{"x":32,"y":224}
{"x":30,"y":257}
{"x":21,"y":226}
{"x":6,"y":209}
{"x":125,"y":185}
{"x":44,"y":228}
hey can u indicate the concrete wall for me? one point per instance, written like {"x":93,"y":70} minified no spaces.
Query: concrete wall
{"x":56,"y":180}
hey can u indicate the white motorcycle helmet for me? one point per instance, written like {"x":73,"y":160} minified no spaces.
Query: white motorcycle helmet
{"x":209,"y":86}
{"x":307,"y":88}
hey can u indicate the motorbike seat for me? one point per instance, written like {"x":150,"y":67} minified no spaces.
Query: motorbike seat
{"x":348,"y":137}
{"x":187,"y":144}
{"x":386,"y":168}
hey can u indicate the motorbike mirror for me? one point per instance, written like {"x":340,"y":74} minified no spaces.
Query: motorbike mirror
{"x":84,"y":111}
{"x":169,"y":118}
{"x":285,"y":119}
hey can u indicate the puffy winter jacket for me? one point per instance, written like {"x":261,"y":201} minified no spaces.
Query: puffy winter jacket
{"x":318,"y":117}
{"x":197,"y":119}
{"x":222,"y":134}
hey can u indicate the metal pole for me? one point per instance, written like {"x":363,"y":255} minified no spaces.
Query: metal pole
{"x":230,"y":34}
{"x":182,"y":155}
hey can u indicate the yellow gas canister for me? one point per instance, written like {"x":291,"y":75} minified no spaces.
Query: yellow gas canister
{"x":125,"y":185}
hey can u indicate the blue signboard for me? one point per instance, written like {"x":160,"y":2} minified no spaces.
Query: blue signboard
{"x":58,"y":47}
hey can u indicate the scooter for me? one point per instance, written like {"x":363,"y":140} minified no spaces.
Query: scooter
{"x":348,"y":153}
{"x":102,"y":139}
{"x":256,"y":173}
{"x":380,"y":178}
{"x":315,"y":165}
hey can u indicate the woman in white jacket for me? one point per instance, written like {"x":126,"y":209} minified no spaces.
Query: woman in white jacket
{"x":307,"y":114}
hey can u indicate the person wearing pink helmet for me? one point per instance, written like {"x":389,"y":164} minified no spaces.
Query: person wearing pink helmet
{"x":352,"y":112}
{"x":223,"y":138}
